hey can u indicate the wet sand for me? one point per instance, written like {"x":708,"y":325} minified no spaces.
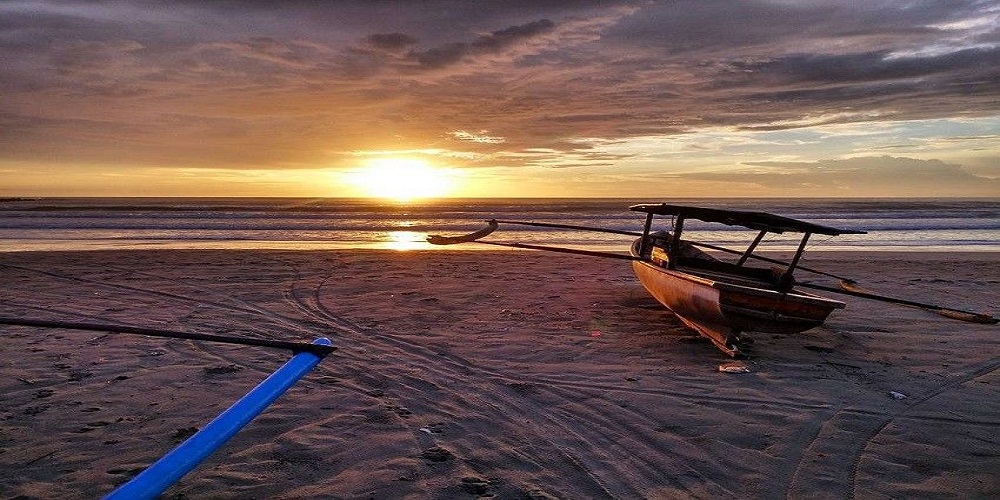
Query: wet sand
{"x":506,"y":374}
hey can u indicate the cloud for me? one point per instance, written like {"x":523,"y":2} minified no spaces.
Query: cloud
{"x":866,"y":176}
{"x":437,"y":57}
{"x":482,"y":137}
{"x":869,"y":66}
{"x":263,"y":84}
{"x":906,"y":87}
{"x":391,"y":41}
{"x":505,"y":37}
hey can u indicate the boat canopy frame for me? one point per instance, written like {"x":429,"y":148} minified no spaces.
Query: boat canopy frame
{"x":761,"y":221}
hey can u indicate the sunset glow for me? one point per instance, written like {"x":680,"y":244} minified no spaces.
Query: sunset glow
{"x":401,"y":179}
{"x":438,"y":99}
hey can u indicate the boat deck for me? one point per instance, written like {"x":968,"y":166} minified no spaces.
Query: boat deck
{"x":725,"y":271}
{"x":731,"y":278}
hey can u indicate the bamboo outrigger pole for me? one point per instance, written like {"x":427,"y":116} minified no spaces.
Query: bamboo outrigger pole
{"x":170,"y":468}
{"x":448,"y":240}
{"x":321,"y":349}
{"x":475,"y":237}
{"x":848,"y":285}
{"x":947,"y":312}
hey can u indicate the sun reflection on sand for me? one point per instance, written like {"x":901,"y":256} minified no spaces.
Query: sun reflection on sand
{"x":407,"y":240}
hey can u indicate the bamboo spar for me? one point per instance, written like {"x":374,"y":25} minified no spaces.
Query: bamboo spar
{"x":972,"y":317}
{"x":475,"y":236}
{"x":163,"y":473}
{"x":320,"y":349}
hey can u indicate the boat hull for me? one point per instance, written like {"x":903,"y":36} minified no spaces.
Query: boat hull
{"x":721,"y":310}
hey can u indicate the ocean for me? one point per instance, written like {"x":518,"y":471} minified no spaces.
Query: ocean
{"x":316,"y":224}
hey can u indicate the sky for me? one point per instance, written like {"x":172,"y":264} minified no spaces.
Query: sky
{"x":651,"y":99}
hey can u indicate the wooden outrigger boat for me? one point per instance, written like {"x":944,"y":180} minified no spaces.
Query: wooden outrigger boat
{"x":722,"y":300}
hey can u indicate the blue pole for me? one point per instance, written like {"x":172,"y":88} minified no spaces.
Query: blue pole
{"x":166,"y":471}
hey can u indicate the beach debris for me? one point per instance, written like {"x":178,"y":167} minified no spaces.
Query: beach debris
{"x":897,"y":395}
{"x":435,"y":428}
{"x":436,"y":454}
{"x":734,"y":367}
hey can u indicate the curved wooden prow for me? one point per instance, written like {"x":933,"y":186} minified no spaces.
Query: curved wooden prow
{"x":451,"y":240}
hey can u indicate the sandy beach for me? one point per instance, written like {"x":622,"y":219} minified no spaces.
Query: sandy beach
{"x":504,"y":374}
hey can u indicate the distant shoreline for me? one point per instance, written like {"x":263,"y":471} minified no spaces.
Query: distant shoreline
{"x":59,"y":224}
{"x":812,"y":255}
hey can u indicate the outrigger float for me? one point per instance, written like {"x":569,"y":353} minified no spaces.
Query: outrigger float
{"x":722,"y":300}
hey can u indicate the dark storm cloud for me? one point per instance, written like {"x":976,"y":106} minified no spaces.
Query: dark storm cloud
{"x":311,"y":79}
{"x":493,"y":42}
{"x":391,"y":41}
{"x":502,"y":38}
{"x":913,"y":86}
{"x":873,"y":66}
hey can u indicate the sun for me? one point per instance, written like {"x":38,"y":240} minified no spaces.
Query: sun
{"x":402,"y":179}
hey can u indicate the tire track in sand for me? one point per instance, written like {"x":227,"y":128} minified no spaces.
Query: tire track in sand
{"x":829,"y":441}
{"x":596,"y":438}
{"x":399,"y":357}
